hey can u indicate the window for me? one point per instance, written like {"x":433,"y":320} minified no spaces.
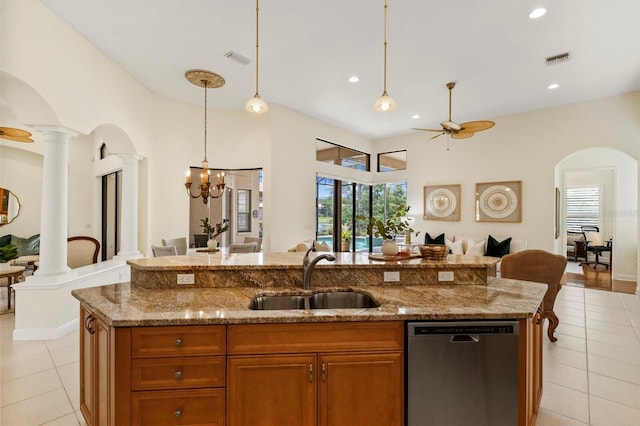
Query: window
{"x":244,"y":210}
{"x":390,"y":161}
{"x":340,"y":202}
{"x":583,"y":207}
{"x":331,"y":153}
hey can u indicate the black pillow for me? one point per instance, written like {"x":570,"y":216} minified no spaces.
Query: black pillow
{"x":497,"y":248}
{"x":437,"y":240}
{"x":5,"y":240}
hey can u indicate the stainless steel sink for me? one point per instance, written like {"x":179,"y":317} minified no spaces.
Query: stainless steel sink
{"x":277,"y":302}
{"x":322,"y":300}
{"x":342,"y":300}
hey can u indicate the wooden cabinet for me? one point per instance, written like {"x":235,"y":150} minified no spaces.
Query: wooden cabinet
{"x":95,"y":343}
{"x":530,"y":370}
{"x":360,"y":382}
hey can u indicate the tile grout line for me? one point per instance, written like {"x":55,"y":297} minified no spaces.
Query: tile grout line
{"x":66,"y":393}
{"x":586,"y":353}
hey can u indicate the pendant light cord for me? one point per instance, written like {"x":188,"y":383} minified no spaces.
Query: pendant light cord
{"x":385,"y":47}
{"x":257,"y":43}
{"x":205,"y":119}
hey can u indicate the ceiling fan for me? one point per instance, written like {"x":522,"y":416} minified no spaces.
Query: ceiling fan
{"x":459,"y":131}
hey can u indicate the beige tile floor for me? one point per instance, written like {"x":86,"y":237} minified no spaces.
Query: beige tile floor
{"x":591,"y":374}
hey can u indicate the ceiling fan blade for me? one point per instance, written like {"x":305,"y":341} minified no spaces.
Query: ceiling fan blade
{"x":461,"y":135}
{"x":476,"y":126}
{"x":427,"y":130}
{"x":433,"y":137}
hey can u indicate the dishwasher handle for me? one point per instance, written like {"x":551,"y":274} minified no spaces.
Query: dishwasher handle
{"x":464,"y":338}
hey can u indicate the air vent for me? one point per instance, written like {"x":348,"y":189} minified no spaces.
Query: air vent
{"x":553,"y":60}
{"x":234,"y":56}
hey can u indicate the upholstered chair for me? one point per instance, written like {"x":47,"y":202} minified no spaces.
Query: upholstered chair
{"x":82,"y":251}
{"x":256,"y":240}
{"x":163,"y":251}
{"x":538,"y":266}
{"x":179,"y":243}
{"x":243,"y":247}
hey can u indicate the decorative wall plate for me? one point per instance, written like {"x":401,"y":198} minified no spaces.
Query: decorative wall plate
{"x":498,"y":202}
{"x":442,"y":202}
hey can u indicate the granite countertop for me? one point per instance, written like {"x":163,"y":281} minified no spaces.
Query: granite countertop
{"x":290,"y":260}
{"x":126,"y":304}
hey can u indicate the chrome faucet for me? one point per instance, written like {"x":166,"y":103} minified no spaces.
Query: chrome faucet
{"x":309,"y":265}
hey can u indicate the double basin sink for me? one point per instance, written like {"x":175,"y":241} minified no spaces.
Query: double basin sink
{"x":322,"y":300}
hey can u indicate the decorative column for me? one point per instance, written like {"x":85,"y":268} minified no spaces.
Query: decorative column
{"x":55,"y":206}
{"x":129,"y":210}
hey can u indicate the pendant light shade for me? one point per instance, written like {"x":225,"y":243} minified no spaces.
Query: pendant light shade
{"x":385,"y":102}
{"x":256,"y":104}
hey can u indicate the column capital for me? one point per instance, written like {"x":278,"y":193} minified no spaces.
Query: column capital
{"x":128,"y":158}
{"x":55,"y":130}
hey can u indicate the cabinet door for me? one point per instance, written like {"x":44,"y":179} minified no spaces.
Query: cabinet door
{"x":95,"y":350}
{"x":271,"y":390}
{"x":361,"y":389}
{"x":86,"y":367}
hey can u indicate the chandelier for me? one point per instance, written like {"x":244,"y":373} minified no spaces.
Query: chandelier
{"x":385,"y":102}
{"x":208,"y":80}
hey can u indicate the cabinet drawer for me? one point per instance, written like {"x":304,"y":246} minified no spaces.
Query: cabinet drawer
{"x":178,"y":373}
{"x":148,"y":342}
{"x":186,"y":407}
{"x":315,"y":337}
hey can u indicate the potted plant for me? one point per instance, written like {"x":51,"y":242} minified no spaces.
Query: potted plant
{"x":346,"y":239}
{"x":7,"y":253}
{"x":213,"y":231}
{"x":396,"y":224}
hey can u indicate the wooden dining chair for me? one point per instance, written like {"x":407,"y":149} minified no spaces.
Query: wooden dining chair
{"x":538,"y":266}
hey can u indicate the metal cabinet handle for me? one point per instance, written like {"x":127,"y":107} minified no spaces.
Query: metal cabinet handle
{"x":87,"y":324}
{"x":324,"y":372}
{"x":178,"y":412}
{"x":310,"y":373}
{"x":178,"y":342}
{"x":178,"y":374}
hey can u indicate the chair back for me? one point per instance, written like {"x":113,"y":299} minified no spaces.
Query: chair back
{"x":256,"y":240}
{"x":538,"y":266}
{"x":163,"y":251}
{"x":179,"y":243}
{"x":243,"y":248}
{"x":82,"y":251}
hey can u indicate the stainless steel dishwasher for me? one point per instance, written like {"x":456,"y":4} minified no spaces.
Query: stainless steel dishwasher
{"x":462,"y":373}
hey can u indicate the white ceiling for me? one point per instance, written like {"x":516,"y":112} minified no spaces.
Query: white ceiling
{"x":308,"y":50}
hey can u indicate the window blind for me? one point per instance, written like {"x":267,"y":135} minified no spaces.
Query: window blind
{"x":583,"y":207}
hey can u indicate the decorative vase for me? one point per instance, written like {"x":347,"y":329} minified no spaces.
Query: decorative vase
{"x":389,"y":248}
{"x":212,"y":244}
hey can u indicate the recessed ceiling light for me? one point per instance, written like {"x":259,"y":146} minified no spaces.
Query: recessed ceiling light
{"x":553,"y":86}
{"x":354,"y":79}
{"x":537,"y":13}
{"x":414,"y":116}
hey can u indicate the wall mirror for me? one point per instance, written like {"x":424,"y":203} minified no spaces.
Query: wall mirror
{"x":9,"y":206}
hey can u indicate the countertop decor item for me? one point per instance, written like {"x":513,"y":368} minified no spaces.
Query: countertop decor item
{"x":213,"y":231}
{"x":397,"y":224}
{"x":434,"y":252}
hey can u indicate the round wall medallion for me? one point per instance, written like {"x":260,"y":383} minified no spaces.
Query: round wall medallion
{"x":204,"y":78}
{"x":441,"y":202}
{"x":498,"y":201}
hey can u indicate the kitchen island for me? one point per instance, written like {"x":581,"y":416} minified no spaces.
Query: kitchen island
{"x":155,"y":351}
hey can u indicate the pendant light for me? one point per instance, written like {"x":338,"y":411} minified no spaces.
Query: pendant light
{"x":256,"y":104}
{"x":385,"y":102}
{"x":208,"y":80}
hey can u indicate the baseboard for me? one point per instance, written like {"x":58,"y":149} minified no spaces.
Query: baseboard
{"x":622,"y":277}
{"x":46,"y":333}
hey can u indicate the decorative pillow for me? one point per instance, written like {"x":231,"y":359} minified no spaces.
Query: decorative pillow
{"x":497,"y":248}
{"x":27,"y":246}
{"x":454,"y":247}
{"x":594,"y":238}
{"x":5,"y":240}
{"x":437,"y":240}
{"x":475,"y":249}
{"x":321,"y":246}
